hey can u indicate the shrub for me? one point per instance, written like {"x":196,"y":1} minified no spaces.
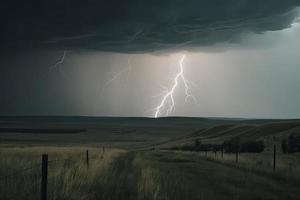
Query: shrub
{"x":197,"y":143}
{"x":284,"y":146}
{"x":188,"y":148}
{"x":252,"y":147}
{"x":175,"y":148}
{"x":232,"y":145}
{"x":293,"y":143}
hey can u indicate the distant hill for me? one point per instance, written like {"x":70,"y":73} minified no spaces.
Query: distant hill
{"x":134,"y":131}
{"x":218,"y":134}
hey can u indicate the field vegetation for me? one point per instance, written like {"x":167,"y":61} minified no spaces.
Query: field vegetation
{"x":118,"y":174}
{"x":68,"y":174}
{"x":148,"y":159}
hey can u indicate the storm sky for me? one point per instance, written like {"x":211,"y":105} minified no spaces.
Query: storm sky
{"x":242,"y":57}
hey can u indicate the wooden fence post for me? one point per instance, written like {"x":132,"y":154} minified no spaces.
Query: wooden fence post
{"x":87,"y":158}
{"x":44,"y":177}
{"x":222,"y":153}
{"x":274,"y":158}
{"x":237,"y":156}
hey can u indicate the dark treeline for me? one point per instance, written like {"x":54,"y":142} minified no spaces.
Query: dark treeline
{"x":291,"y":144}
{"x":229,"y":146}
{"x":41,"y":130}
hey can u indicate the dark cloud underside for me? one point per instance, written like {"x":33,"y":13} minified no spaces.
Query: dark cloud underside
{"x":138,"y":25}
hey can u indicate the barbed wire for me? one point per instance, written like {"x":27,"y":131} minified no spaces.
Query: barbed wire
{"x":22,"y":171}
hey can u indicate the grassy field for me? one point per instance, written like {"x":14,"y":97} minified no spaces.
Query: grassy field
{"x":68,"y":177}
{"x":98,"y":131}
{"x":188,"y":176}
{"x":218,"y":134}
{"x":117,"y":174}
{"x":137,"y":163}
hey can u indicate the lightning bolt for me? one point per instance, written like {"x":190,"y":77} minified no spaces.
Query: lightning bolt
{"x":60,"y":62}
{"x":126,"y":70}
{"x":168,"y":99}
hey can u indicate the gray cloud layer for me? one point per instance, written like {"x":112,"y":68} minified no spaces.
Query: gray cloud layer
{"x":138,"y":25}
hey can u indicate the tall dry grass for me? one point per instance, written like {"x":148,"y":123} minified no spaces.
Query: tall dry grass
{"x":287,"y":165}
{"x":144,"y":175}
{"x":159,"y":180}
{"x":68,"y":175}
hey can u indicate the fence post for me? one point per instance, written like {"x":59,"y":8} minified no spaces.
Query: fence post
{"x":206,"y":153}
{"x":237,"y":156}
{"x":222,"y":153}
{"x":274,"y":158}
{"x":215,"y":154}
{"x":44,"y":177}
{"x":87,"y":158}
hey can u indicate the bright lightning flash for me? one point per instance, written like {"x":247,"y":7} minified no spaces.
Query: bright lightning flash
{"x":168,"y":99}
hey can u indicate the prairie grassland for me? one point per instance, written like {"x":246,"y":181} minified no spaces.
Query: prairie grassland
{"x":136,"y":175}
{"x":68,"y":175}
{"x":287,"y":165}
{"x":173,"y":175}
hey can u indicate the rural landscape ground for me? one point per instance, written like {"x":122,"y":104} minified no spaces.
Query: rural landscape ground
{"x":142,"y":158}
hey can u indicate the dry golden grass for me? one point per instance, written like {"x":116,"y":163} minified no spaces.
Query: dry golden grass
{"x":144,"y":175}
{"x":287,"y":165}
{"x":68,"y":174}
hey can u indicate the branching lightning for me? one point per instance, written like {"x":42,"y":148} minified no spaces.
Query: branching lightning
{"x":126,"y":70}
{"x":167,"y":104}
{"x":168,"y":99}
{"x":60,"y":62}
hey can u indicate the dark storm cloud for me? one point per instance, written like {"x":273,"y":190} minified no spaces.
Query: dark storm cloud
{"x":138,"y":25}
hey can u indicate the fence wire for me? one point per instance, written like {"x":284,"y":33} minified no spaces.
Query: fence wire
{"x":36,"y":166}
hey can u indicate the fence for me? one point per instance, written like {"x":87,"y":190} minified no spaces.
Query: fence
{"x":236,"y":156}
{"x":38,"y":173}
